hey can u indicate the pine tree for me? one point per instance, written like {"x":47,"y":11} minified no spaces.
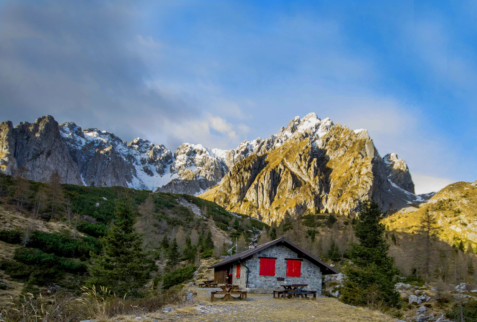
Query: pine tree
{"x":393,"y":238}
{"x":55,"y":192}
{"x":21,"y":187}
{"x":241,"y":244}
{"x":189,"y":251}
{"x":273,"y":233}
{"x":334,"y":252}
{"x":371,"y":272}
{"x":428,"y":228}
{"x":165,"y":243}
{"x":470,"y":268}
{"x":208,"y":242}
{"x":461,"y":246}
{"x":173,"y":256}
{"x":124,"y":266}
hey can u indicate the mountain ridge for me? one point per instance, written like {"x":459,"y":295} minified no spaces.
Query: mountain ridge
{"x":99,"y":158}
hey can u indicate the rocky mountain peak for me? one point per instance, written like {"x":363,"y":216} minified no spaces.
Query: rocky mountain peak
{"x":398,"y":172}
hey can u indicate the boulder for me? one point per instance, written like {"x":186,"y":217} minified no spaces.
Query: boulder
{"x":168,"y":309}
{"x":403,"y":286}
{"x":414,"y":299}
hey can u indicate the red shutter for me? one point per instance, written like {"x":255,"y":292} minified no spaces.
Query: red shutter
{"x":272,"y":266}
{"x":267,"y":266}
{"x":238,"y":271}
{"x":293,"y":268}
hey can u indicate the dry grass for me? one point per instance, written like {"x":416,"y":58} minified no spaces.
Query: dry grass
{"x":265,"y":308}
{"x":10,"y":219}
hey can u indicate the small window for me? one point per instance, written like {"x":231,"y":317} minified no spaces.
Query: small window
{"x":267,"y":266}
{"x":293,"y":268}
{"x":237,"y":274}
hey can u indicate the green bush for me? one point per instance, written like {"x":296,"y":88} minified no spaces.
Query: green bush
{"x":64,"y":247}
{"x":11,"y":236}
{"x":15,"y":269}
{"x":414,"y":280}
{"x":176,"y":277}
{"x":95,"y":230}
{"x":207,"y":253}
{"x":84,"y":199}
{"x":330,"y":221}
{"x":35,"y":257}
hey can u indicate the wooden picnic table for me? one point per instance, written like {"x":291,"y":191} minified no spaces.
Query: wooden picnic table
{"x":228,"y":290}
{"x":294,"y":290}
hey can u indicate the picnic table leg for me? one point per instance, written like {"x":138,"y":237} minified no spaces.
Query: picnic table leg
{"x":211,"y":297}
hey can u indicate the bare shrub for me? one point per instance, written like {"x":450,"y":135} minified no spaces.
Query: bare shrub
{"x":60,"y":307}
{"x":103,"y":304}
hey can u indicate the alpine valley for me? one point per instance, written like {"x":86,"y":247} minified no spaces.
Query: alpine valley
{"x":311,"y":165}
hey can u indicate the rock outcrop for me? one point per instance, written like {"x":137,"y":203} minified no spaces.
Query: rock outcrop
{"x":398,"y":172}
{"x":311,"y":174}
{"x":39,"y":149}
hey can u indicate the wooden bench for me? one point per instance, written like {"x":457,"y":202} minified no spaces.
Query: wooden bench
{"x":293,"y":293}
{"x":278,"y":294}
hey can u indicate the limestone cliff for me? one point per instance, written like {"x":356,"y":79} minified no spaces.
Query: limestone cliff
{"x":38,"y":147}
{"x":311,"y":174}
{"x":398,"y":172}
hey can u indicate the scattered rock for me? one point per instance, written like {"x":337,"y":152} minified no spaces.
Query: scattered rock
{"x":422,"y":309}
{"x":421,"y":318}
{"x":138,"y":318}
{"x":462,"y":287}
{"x":424,"y":298}
{"x":442,"y":319}
{"x":335,"y":293}
{"x":168,"y":309}
{"x":414,"y":299}
{"x":191,"y":283}
{"x":403,"y":286}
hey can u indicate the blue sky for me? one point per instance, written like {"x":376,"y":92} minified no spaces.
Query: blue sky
{"x":220,"y":72}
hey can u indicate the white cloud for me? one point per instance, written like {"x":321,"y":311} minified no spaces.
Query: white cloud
{"x":221,"y":125}
{"x":210,"y":130}
{"x":426,"y":184}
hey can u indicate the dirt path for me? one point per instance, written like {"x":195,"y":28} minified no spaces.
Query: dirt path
{"x":265,"y":308}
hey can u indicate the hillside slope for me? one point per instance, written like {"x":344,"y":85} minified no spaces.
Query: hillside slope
{"x":454,"y":207}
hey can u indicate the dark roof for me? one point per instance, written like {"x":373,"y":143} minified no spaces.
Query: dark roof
{"x":282,"y":241}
